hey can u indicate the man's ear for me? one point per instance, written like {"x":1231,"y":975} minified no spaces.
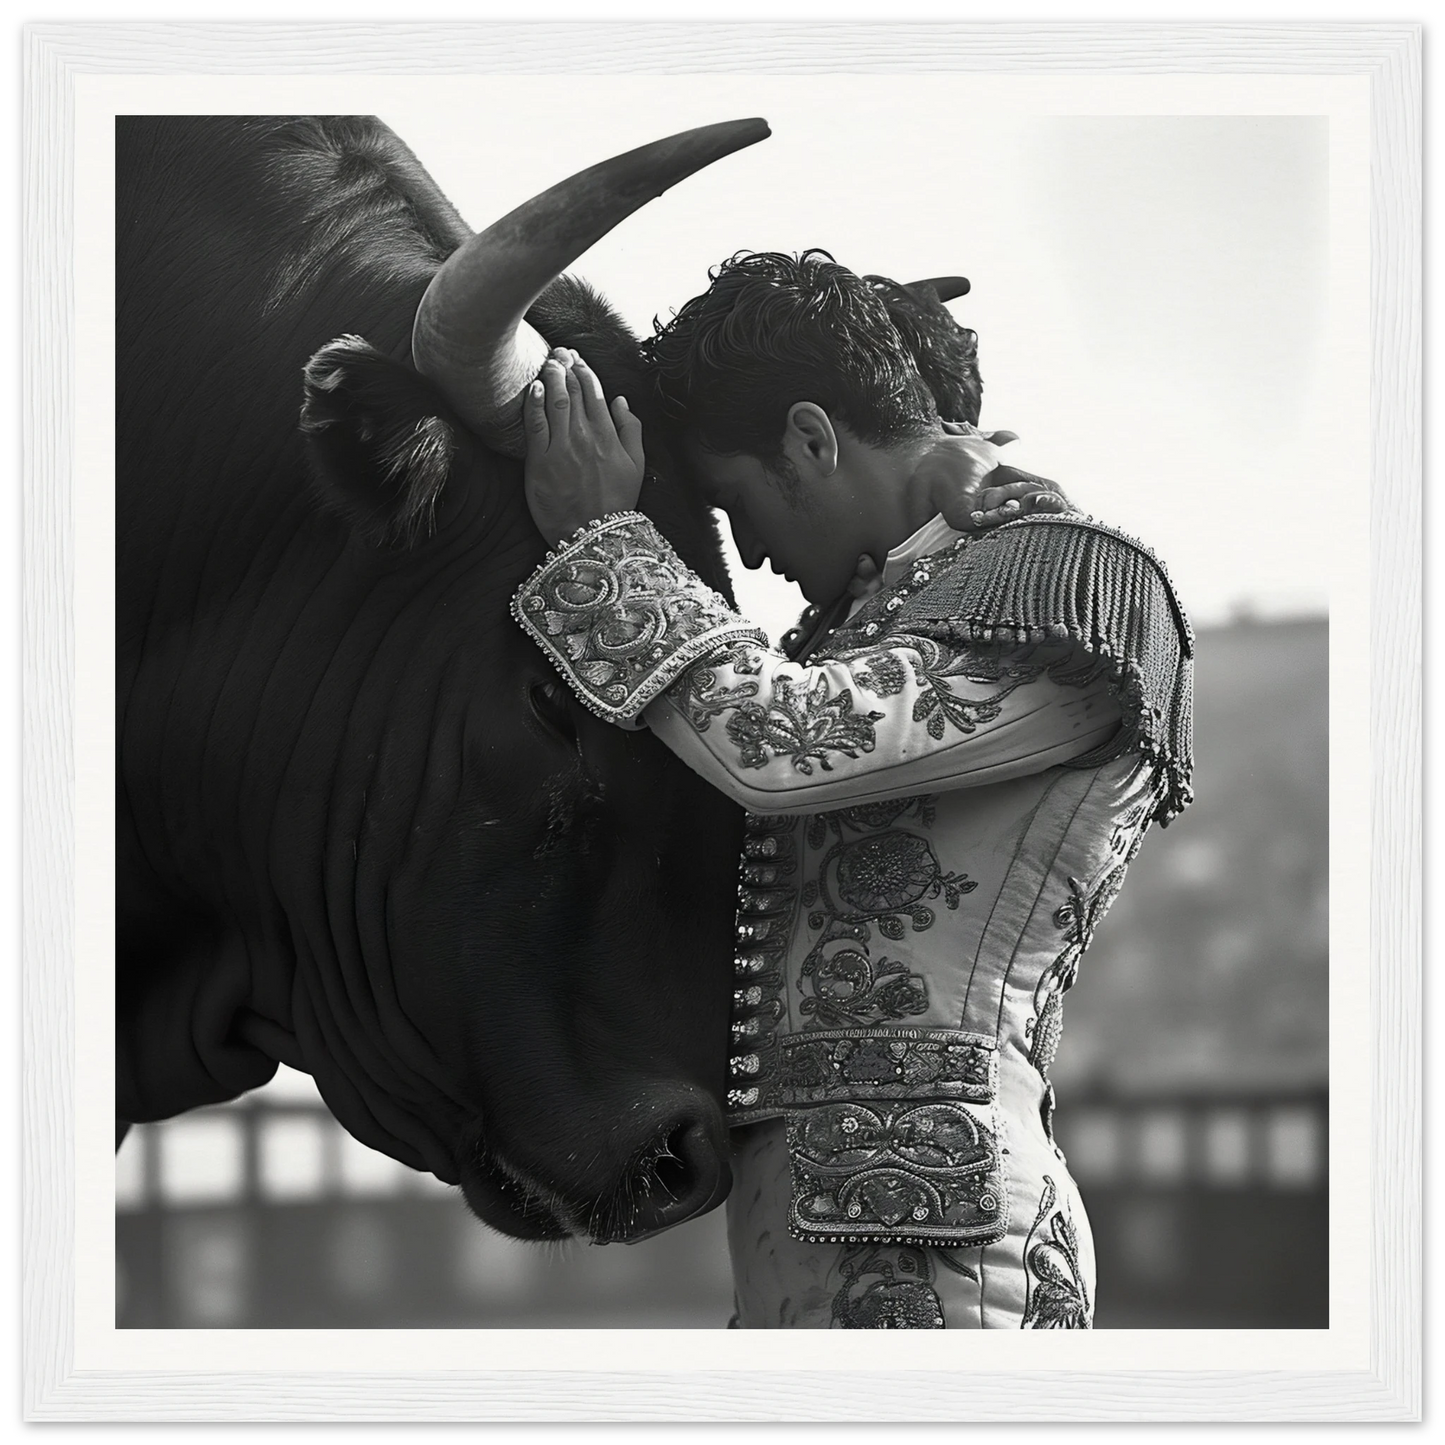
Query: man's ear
{"x":382,"y":441}
{"x":809,"y":441}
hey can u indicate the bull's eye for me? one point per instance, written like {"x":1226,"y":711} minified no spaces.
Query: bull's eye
{"x":553,"y":709}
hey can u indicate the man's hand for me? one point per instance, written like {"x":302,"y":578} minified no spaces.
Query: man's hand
{"x":583,"y":460}
{"x":966,"y":481}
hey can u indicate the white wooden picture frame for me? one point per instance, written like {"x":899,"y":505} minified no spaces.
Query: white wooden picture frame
{"x":1374,"y":77}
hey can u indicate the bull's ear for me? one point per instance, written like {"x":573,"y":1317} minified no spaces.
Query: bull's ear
{"x":382,"y":441}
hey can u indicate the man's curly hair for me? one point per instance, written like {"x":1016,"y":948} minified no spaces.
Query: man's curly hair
{"x":773,"y":329}
{"x":945,"y":353}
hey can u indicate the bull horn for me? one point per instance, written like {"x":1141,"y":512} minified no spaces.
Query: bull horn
{"x":946,"y":288}
{"x":469,"y":335}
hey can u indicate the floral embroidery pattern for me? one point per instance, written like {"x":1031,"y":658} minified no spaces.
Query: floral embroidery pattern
{"x":801,"y":723}
{"x":1077,"y":918}
{"x":850,"y":988}
{"x":936,"y":663}
{"x":882,"y":674}
{"x":698,"y":693}
{"x":890,"y":873}
{"x":885,"y":1171}
{"x":1057,"y":1299}
{"x":873,"y":881}
{"x":621,"y":615}
{"x":887,"y":1288}
{"x":937,"y":705}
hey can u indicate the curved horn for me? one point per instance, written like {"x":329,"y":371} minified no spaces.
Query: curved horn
{"x":469,"y":336}
{"x":946,"y":288}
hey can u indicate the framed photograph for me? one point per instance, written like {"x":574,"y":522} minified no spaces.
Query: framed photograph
{"x":1189,"y":256}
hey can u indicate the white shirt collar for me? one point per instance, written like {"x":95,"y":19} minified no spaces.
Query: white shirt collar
{"x":928,"y":538}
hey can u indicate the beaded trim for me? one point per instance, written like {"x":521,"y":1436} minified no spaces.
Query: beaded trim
{"x":621,"y":616}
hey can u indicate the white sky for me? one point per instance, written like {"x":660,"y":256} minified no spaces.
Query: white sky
{"x":1149,"y":291}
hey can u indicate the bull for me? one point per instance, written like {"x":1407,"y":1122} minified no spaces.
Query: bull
{"x":361,"y":829}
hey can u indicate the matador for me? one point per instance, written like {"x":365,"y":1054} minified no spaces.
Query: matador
{"x":946,"y":771}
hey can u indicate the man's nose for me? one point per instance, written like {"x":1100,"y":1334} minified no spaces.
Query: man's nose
{"x":749,"y":545}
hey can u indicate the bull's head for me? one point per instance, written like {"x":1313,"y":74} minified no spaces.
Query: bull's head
{"x":531,"y":997}
{"x":361,"y":827}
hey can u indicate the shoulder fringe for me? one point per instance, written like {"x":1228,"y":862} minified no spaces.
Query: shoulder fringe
{"x":1053,"y":577}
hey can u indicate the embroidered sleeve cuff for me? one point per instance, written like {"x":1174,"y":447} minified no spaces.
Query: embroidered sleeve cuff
{"x":621,"y":615}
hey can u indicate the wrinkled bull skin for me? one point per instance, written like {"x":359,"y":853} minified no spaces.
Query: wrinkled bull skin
{"x":353,"y":835}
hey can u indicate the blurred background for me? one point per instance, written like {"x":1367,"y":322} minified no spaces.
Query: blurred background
{"x":1192,"y":1086}
{"x":1151,"y":294}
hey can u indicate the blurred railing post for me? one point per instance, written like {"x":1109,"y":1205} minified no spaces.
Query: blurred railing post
{"x":1234,"y":1235}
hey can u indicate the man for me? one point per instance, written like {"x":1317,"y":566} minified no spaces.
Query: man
{"x":944,"y":789}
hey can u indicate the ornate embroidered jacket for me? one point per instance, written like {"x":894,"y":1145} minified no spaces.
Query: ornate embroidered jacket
{"x":943,"y":799}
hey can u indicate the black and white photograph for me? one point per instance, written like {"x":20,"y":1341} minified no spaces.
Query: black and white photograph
{"x":491,"y":926}
{"x":727,"y":699}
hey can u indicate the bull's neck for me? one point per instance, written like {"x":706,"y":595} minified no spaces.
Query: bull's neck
{"x":262,"y":689}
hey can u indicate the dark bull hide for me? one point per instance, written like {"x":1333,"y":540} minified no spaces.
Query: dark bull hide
{"x":360,"y":827}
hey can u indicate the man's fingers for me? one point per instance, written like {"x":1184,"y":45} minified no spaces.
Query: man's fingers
{"x":1010,"y":485}
{"x":554,"y":385}
{"x":534,"y":419}
{"x":576,"y":406}
{"x":1046,"y":502}
{"x":1016,"y":507}
{"x":591,"y":388}
{"x":991,"y":498}
{"x":629,"y":431}
{"x":1000,"y":438}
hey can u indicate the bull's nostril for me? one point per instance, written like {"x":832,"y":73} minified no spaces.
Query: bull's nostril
{"x":670,"y":1169}
{"x":682,"y":1174}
